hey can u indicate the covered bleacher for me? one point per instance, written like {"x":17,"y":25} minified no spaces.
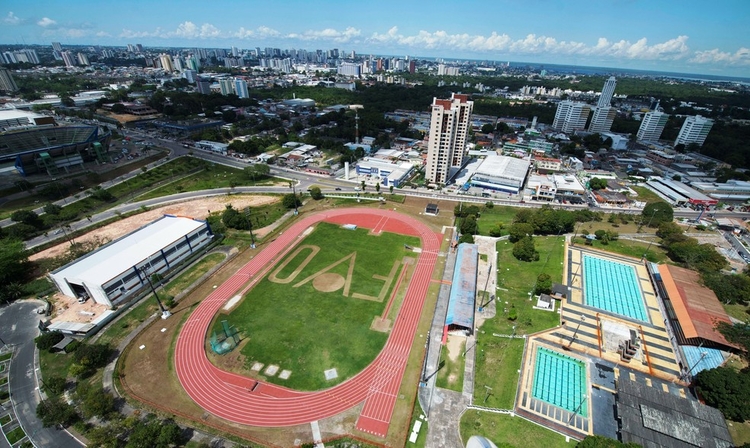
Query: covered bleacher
{"x":460,"y":316}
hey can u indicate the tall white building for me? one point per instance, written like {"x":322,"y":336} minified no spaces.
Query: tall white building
{"x":166,"y":63}
{"x":240,"y":88}
{"x":56,"y":46}
{"x":571,"y":116}
{"x":350,"y":69}
{"x":608,"y":91}
{"x":68,"y":58}
{"x":83,"y":59}
{"x":694,"y":130}
{"x":602,"y":119}
{"x":652,"y":126}
{"x":449,"y":129}
{"x":7,"y":83}
{"x":226,"y":86}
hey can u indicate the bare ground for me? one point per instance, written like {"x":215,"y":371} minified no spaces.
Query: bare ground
{"x":198,"y":208}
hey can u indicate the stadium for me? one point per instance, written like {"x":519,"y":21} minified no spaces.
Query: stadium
{"x":52,"y":150}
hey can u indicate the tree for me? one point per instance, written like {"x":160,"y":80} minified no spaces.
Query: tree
{"x":469,"y":225}
{"x":377,"y":187}
{"x":95,"y":401}
{"x":53,"y":411}
{"x":101,"y":194}
{"x":28,"y":217}
{"x":543,"y":284}
{"x":233,"y":219}
{"x":517,"y":231}
{"x":363,"y":185}
{"x":262,"y":169}
{"x":487,"y":128}
{"x":315,"y":193}
{"x":52,"y":209}
{"x":597,"y":184}
{"x":725,"y":389}
{"x":729,"y":289}
{"x":92,"y":356}
{"x":655,"y":213}
{"x":525,"y":250}
{"x":46,"y":341}
{"x":670,"y":233}
{"x":604,"y":442}
{"x":391,"y":189}
{"x":466,"y":238}
{"x":738,"y":334}
{"x":290,"y":200}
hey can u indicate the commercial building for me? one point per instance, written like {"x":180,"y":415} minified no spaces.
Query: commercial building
{"x":389,"y":173}
{"x":116,"y":270}
{"x":652,"y":126}
{"x":608,"y":91}
{"x":501,"y":173}
{"x":571,"y":116}
{"x":732,"y":191}
{"x":449,"y":129}
{"x":208,"y":145}
{"x":694,"y":130}
{"x":678,"y":193}
{"x":350,"y":69}
{"x":227,"y":86}
{"x":7,"y":83}
{"x":602,"y":119}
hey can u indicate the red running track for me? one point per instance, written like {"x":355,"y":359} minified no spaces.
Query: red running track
{"x":238,"y":399}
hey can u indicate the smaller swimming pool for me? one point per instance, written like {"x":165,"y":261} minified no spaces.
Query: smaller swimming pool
{"x":560,"y":380}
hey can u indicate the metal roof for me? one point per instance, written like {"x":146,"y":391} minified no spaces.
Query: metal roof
{"x":114,"y":258}
{"x":653,"y":418}
{"x":463,"y":287}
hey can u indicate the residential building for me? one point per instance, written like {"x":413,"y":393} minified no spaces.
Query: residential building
{"x":350,"y":69}
{"x":547,"y":164}
{"x":166,"y":63}
{"x":694,"y":130}
{"x":83,"y":59}
{"x":652,"y":126}
{"x":602,"y":119}
{"x":57,"y":47}
{"x":449,"y":129}
{"x":608,"y":91}
{"x":227,"y":87}
{"x":571,"y":116}
{"x":240,"y":87}
{"x":68,"y":59}
{"x":7,"y":83}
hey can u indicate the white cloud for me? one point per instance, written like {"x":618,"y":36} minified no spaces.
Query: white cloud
{"x":130,"y":34}
{"x":535,"y":44}
{"x":715,"y":56}
{"x":329,"y":34}
{"x":189,"y":30}
{"x":12,"y":19}
{"x":46,"y":22}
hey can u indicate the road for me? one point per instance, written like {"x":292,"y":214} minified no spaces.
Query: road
{"x":19,"y":323}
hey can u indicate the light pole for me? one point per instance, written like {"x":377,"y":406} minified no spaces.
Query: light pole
{"x":164,"y":312}
{"x":487,"y":394}
{"x":575,"y":333}
{"x":294,"y":192}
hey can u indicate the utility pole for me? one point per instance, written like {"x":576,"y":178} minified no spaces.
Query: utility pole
{"x":164,"y":312}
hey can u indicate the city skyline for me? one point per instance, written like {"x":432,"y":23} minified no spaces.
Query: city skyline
{"x":617,"y":33}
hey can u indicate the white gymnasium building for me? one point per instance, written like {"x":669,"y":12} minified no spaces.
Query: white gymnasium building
{"x":113,"y":272}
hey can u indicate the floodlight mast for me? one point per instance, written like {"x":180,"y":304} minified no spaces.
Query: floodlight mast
{"x":164,"y":312}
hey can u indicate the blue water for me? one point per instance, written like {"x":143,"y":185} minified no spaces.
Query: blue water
{"x":613,"y":287}
{"x":560,"y":380}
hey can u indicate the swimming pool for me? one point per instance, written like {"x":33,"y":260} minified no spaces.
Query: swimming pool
{"x":613,"y":287}
{"x":560,"y":380}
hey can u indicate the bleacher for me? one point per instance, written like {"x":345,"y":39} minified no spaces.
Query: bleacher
{"x":15,"y":143}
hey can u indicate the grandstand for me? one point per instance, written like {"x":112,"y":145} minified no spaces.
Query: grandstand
{"x":52,"y":150}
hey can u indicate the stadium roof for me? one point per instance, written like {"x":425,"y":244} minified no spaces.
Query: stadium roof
{"x":651,"y":417}
{"x":131,"y":250}
{"x":697,"y":308}
{"x":463,"y":287}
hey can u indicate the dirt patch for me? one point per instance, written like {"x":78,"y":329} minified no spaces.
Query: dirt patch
{"x":380,"y":324}
{"x":328,"y":282}
{"x":198,"y":208}
{"x":454,"y":346}
{"x":67,"y":309}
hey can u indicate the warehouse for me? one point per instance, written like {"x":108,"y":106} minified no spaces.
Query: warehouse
{"x":501,"y":173}
{"x":116,"y":270}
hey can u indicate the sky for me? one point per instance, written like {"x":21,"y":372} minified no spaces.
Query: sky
{"x":686,"y":36}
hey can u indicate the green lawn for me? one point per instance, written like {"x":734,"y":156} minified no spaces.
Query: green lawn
{"x":6,"y":356}
{"x":5,"y":419}
{"x":116,"y":331}
{"x":630,"y":248}
{"x":738,"y":311}
{"x":500,"y":360}
{"x":15,"y":435}
{"x":56,"y":364}
{"x":507,"y":431}
{"x":185,"y":279}
{"x":290,"y":323}
{"x":740,"y":432}
{"x":644,"y":194}
{"x":217,"y":176}
{"x":491,"y":217}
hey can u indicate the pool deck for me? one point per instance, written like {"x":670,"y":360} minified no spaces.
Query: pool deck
{"x":580,"y":335}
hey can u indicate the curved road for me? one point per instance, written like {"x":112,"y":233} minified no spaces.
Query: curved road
{"x":241,"y":400}
{"x":19,"y":322}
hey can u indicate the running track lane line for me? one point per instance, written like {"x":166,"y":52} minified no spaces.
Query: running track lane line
{"x":216,"y":391}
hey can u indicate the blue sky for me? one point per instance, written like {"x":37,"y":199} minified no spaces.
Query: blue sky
{"x":690,"y":36}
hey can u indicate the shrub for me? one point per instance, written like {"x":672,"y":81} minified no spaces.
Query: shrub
{"x":70,"y":348}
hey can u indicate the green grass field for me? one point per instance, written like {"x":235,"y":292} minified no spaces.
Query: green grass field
{"x":509,"y":432}
{"x":630,"y":248}
{"x":491,"y":217}
{"x":287,"y":320}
